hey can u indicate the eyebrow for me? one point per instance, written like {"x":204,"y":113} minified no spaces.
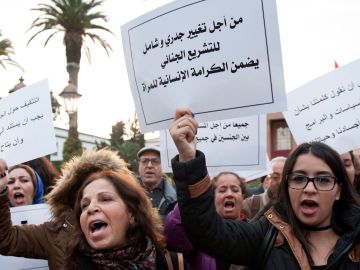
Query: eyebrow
{"x":317,"y":173}
{"x":228,"y":186}
{"x":20,"y":177}
{"x":102,"y":193}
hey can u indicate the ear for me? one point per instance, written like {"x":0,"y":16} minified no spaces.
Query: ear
{"x":338,"y":193}
{"x":132,"y":220}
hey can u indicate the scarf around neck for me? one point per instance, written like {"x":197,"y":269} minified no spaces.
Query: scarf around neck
{"x":138,"y":254}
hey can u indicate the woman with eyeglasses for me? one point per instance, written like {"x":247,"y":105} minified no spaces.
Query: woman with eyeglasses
{"x":315,"y":224}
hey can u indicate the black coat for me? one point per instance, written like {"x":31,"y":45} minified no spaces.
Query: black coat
{"x":239,"y":242}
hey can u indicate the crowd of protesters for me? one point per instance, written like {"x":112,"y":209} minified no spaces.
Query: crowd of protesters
{"x":303,"y":215}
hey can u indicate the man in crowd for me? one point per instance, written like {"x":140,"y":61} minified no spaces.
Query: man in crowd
{"x":161,"y":193}
{"x":264,"y":185}
{"x":251,"y":206}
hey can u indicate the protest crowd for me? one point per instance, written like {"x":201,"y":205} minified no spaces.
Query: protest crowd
{"x":103,"y":214}
{"x":301,"y":212}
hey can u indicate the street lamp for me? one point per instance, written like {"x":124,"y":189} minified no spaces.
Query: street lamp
{"x":55,"y":106}
{"x":71,"y":97}
{"x":72,"y":145}
{"x":18,"y":86}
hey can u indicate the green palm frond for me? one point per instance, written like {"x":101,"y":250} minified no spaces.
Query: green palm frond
{"x":6,"y":50}
{"x":75,"y":18}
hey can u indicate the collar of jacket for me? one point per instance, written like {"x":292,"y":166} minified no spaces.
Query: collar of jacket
{"x":347,"y":243}
{"x":73,"y":173}
{"x":285,"y":232}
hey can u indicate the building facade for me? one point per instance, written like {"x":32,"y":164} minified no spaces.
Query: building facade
{"x":88,"y":142}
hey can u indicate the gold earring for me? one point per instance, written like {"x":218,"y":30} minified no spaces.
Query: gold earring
{"x":132,"y":220}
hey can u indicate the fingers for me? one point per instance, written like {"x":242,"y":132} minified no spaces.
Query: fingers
{"x":181,"y":112}
{"x":183,"y":131}
{"x":3,"y":168}
{"x":187,"y":124}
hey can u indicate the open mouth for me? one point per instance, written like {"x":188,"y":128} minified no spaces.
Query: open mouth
{"x":309,"y":204}
{"x":309,"y":207}
{"x":229,"y":205}
{"x":97,"y":225}
{"x":18,"y":195}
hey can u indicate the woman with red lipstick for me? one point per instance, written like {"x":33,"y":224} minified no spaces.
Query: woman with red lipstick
{"x":314,"y":225}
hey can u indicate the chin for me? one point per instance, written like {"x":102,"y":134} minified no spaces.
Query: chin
{"x":100,"y":246}
{"x":228,"y":216}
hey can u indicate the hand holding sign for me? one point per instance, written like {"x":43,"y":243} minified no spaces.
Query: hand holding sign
{"x":183,"y":131}
{"x":3,"y":175}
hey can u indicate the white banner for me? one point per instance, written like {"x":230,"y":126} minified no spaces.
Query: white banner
{"x":236,"y":145}
{"x":328,"y":109}
{"x":26,"y":126}
{"x":223,"y":61}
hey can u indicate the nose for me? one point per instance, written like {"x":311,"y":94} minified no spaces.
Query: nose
{"x":229,"y":193}
{"x":17,"y":184}
{"x":92,"y":208}
{"x":310,"y":187}
{"x":149,"y":164}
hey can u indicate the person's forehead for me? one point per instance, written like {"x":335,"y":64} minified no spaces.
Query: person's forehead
{"x":345,"y":156}
{"x":150,"y":153}
{"x":19,"y":171}
{"x":228,"y":179}
{"x":279,"y":164}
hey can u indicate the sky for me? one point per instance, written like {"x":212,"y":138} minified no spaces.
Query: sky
{"x":314,"y":33}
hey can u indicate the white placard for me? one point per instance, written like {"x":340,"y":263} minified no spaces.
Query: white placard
{"x":29,"y":214}
{"x":229,"y":145}
{"x":328,"y":109}
{"x":223,"y":61}
{"x":252,"y":175}
{"x":26,"y":126}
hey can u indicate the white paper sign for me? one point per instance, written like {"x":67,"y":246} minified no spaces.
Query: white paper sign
{"x":26,"y":127}
{"x":229,"y":145}
{"x":251,"y":175}
{"x":220,"y":58}
{"x":30,"y":214}
{"x":328,"y":109}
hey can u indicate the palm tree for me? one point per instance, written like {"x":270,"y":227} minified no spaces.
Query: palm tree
{"x":74,"y":18}
{"x":6,"y":50}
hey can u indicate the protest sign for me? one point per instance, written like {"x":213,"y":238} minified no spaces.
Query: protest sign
{"x":26,"y":126}
{"x":229,"y":145}
{"x":252,"y":175}
{"x":327,"y":109}
{"x":223,"y":61}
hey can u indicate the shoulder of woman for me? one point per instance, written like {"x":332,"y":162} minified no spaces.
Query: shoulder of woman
{"x":169,"y":260}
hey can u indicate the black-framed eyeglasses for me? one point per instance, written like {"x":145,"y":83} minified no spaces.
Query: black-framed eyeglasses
{"x":154,"y":161}
{"x":321,"y":182}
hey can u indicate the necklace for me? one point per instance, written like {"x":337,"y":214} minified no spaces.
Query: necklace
{"x":316,"y":229}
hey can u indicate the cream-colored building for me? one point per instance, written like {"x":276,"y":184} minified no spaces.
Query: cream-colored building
{"x":88,"y":142}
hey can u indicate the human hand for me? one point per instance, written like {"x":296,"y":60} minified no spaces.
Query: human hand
{"x":3,"y":175}
{"x":183,"y":132}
